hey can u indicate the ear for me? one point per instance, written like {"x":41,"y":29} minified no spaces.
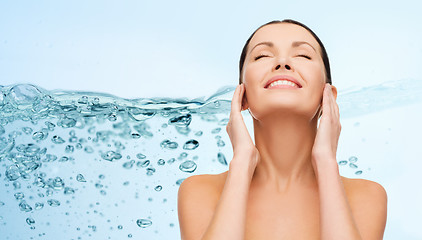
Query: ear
{"x":334,"y":89}
{"x":245,"y":104}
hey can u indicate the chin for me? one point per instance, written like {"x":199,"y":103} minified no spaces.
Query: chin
{"x":282,"y":109}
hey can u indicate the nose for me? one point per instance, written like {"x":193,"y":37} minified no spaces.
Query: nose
{"x":286,"y":66}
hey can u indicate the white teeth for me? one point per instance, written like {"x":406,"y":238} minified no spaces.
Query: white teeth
{"x":283,"y":82}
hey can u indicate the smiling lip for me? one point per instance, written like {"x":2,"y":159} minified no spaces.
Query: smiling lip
{"x":282,"y":77}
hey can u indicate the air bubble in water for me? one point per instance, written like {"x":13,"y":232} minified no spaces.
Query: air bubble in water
{"x":30,"y":221}
{"x":143,"y":164}
{"x":352,"y":165}
{"x":221,"y":158}
{"x":191,"y":144}
{"x":178,"y":182}
{"x":161,"y":162}
{"x":342,"y":162}
{"x":23,"y":206}
{"x":53,"y":202}
{"x":182,"y":121}
{"x":353,"y":159}
{"x":111,"y":155}
{"x":128,"y":165}
{"x":39,"y":205}
{"x":168,"y":144}
{"x":57,"y":139}
{"x":143,"y":223}
{"x":221,"y":143}
{"x":216,"y":130}
{"x":188,"y":166}
{"x":19,"y":195}
{"x":80,"y":178}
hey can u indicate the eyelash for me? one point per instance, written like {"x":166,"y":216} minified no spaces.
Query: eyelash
{"x":302,"y":55}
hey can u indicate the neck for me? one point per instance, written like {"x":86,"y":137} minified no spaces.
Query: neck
{"x":285,"y":146}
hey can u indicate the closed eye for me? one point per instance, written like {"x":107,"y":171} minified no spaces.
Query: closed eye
{"x":260,"y":56}
{"x":305,"y":56}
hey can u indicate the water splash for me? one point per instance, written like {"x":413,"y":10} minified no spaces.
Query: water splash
{"x":90,"y":157}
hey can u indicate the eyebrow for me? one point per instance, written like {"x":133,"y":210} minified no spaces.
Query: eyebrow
{"x":294,"y":44}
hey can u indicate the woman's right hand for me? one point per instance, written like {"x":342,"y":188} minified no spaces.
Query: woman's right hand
{"x":243,"y":147}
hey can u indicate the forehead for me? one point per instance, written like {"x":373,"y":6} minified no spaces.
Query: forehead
{"x":283,"y":33}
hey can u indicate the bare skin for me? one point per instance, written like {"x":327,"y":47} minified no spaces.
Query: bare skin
{"x":286,"y":185}
{"x":270,"y":215}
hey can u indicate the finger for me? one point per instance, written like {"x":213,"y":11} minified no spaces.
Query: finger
{"x":325,"y":101}
{"x":335,"y":105}
{"x":234,"y":103}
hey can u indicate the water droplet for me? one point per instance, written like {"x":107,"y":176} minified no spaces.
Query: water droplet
{"x":53,"y":202}
{"x":26,"y":130}
{"x":69,"y":149}
{"x":143,"y":223}
{"x":216,"y":130}
{"x":66,"y":122}
{"x":143,"y":164}
{"x":150,"y":171}
{"x":111,"y":155}
{"x":353,"y":159}
{"x":191,"y":144}
{"x":140,"y":156}
{"x":352,"y":165}
{"x":50,"y":125}
{"x":168,"y":144}
{"x":158,"y":188}
{"x":358,"y":172}
{"x":19,"y":195}
{"x":83,"y":100}
{"x":88,"y":149}
{"x":223,"y":122}
{"x":12,"y":173}
{"x":80,"y":178}
{"x":178,"y":182}
{"x":57,"y":139}
{"x":22,"y":96}
{"x":171,"y":160}
{"x":221,"y":143}
{"x":68,"y":191}
{"x":161,"y":162}
{"x":188,"y":166}
{"x":199,"y":133}
{"x":17,"y":185}
{"x":23,"y":206}
{"x":39,"y":205}
{"x":342,"y":162}
{"x":221,"y":158}
{"x":120,"y":227}
{"x":182,"y":121}
{"x":30,"y":221}
{"x":40,"y":135}
{"x":128,"y":165}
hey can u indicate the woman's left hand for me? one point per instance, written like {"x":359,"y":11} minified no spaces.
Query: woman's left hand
{"x":328,"y":132}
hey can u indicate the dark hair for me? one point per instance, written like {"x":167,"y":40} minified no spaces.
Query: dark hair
{"x":323,"y":54}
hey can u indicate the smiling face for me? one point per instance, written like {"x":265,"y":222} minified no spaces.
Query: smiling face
{"x":283,"y":49}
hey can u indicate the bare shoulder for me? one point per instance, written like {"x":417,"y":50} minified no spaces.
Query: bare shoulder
{"x":210,"y":183}
{"x":357,"y":187}
{"x":196,"y":201}
{"x":368,"y":202}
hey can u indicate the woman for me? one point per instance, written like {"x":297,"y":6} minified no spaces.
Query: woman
{"x":286,"y":185}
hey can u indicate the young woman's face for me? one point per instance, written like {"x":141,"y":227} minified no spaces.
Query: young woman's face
{"x":294,"y":52}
